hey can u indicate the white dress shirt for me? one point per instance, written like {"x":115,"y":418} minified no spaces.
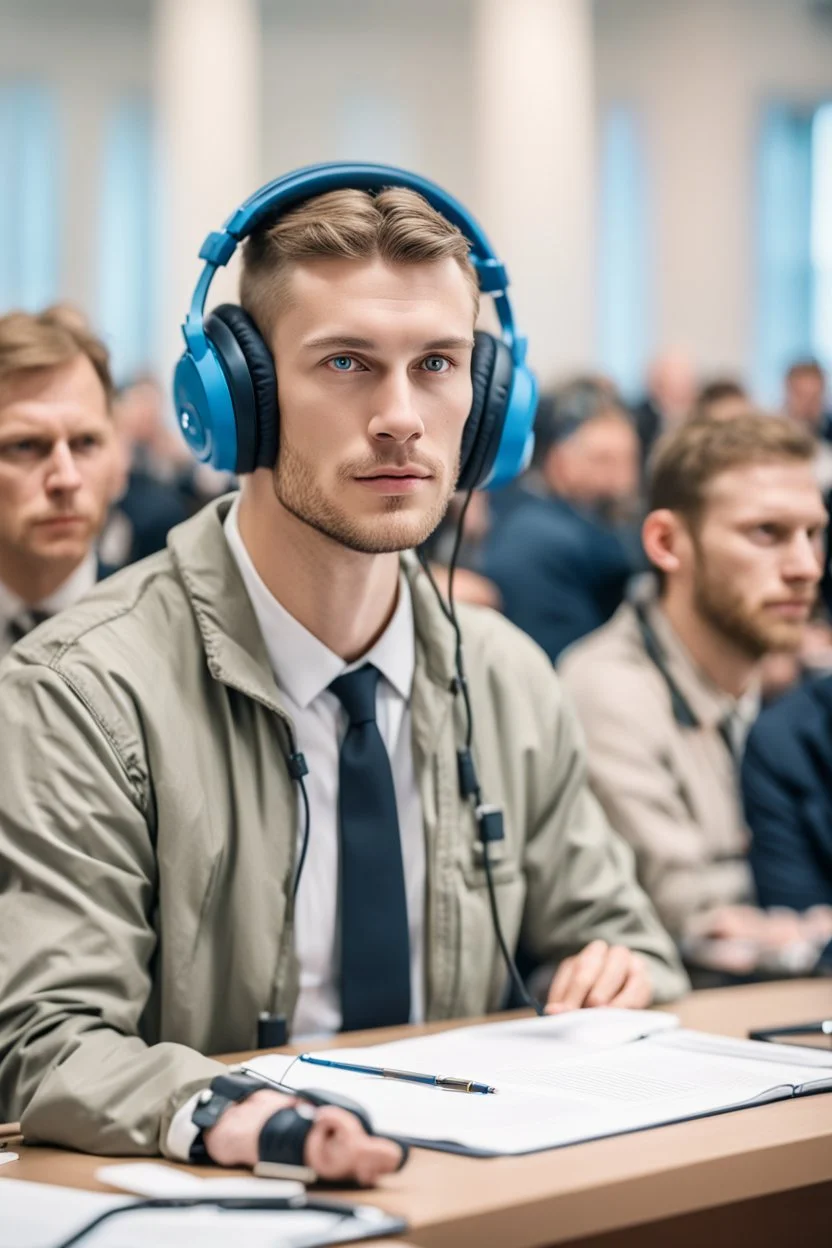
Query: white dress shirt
{"x":303,"y":668}
{"x":73,"y":589}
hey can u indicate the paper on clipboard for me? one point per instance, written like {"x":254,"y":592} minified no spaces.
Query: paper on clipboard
{"x":562,"y":1079}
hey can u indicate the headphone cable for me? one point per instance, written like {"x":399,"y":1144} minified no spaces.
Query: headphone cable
{"x":298,"y":768}
{"x":305,"y":841}
{"x":298,"y":1203}
{"x":469,"y":781}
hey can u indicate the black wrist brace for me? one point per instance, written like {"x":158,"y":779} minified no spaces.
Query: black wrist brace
{"x":283,"y":1137}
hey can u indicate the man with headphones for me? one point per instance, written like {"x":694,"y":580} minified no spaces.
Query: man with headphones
{"x":240,"y":785}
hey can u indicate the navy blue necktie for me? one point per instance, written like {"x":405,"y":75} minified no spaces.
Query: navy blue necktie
{"x":375,"y":942}
{"x":25,"y":622}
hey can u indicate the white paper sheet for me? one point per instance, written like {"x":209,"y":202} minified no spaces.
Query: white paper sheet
{"x":150,"y":1178}
{"x":560,"y":1080}
{"x":38,"y":1215}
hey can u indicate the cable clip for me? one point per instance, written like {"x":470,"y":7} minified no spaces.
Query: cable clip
{"x":490,"y":824}
{"x":298,"y":766}
{"x":469,"y":784}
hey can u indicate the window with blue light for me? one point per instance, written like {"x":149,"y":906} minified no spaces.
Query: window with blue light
{"x":821,"y":235}
{"x":29,"y":161}
{"x":794,"y":294}
{"x":126,"y":252}
{"x":785,"y":278}
{"x":624,"y":329}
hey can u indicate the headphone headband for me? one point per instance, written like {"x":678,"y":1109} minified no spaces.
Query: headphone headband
{"x":286,"y":192}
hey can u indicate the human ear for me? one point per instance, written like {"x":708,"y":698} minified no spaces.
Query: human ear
{"x":661,"y":535}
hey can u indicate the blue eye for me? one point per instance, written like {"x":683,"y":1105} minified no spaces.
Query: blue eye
{"x":436,"y":364}
{"x":341,"y":363}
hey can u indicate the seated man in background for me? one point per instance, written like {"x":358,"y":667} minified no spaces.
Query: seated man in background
{"x":805,"y":401}
{"x":721,"y":399}
{"x":469,"y":583}
{"x":667,"y":690}
{"x":669,"y":398}
{"x":153,"y":500}
{"x":60,"y":465}
{"x":559,"y":557}
{"x":786,"y":777}
{"x":154,"y":905}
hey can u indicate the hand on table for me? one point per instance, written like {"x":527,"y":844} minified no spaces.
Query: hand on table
{"x":744,"y":923}
{"x":775,"y":928}
{"x":746,"y":940}
{"x":337,"y":1147}
{"x":601,"y":974}
{"x":817,"y":922}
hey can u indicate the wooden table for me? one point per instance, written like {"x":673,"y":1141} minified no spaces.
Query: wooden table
{"x":762,"y":1176}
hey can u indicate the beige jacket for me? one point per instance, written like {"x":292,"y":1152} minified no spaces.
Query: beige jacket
{"x":670,"y":790}
{"x":147,"y":840}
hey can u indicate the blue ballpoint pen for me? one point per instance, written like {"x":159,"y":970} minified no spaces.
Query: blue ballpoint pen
{"x":408,"y":1076}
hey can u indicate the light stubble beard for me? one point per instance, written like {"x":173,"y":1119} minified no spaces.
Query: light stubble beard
{"x":723,"y":609}
{"x":395,"y":528}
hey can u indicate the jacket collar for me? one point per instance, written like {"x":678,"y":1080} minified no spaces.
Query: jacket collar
{"x":234,"y":646}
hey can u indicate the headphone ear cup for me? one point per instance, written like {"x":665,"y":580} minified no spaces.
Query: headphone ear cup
{"x":249,"y":368}
{"x":492,"y":369}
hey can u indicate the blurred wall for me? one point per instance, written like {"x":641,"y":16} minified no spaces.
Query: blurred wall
{"x":370,"y":80}
{"x":397,"y":81}
{"x":699,"y":76}
{"x":91,"y":54}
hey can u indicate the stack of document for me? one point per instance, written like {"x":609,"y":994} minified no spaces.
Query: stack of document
{"x":560,"y":1080}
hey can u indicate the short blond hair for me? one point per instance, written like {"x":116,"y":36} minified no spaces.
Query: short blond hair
{"x":686,"y":461}
{"x":396,"y":224}
{"x":37,"y":342}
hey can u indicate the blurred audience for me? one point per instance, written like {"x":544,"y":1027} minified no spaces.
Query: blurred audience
{"x":805,"y":402}
{"x":558,"y":554}
{"x":667,"y":691}
{"x":469,"y":583}
{"x":153,"y":500}
{"x":61,"y":464}
{"x":157,"y":448}
{"x":788,"y":799}
{"x":164,"y":485}
{"x":721,"y":399}
{"x":805,"y":399}
{"x":671,"y":393}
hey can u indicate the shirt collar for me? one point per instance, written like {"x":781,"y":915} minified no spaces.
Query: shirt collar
{"x":79,"y":583}
{"x":303,"y":666}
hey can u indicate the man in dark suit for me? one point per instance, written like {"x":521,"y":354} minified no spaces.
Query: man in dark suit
{"x":558,"y":554}
{"x":60,"y":464}
{"x":787,"y":786}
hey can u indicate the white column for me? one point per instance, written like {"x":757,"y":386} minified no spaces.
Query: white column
{"x":535,"y":168}
{"x":85,"y":132}
{"x":207,"y":96}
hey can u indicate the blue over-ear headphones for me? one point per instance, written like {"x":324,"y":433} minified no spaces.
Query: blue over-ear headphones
{"x":225,"y":388}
